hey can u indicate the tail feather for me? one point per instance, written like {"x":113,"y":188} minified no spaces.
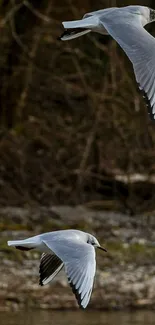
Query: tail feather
{"x":77,"y":28}
{"x":73,"y":33}
{"x":89,"y":22}
{"x":25,"y":244}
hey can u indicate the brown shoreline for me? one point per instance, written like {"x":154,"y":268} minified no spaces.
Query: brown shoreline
{"x":125,"y":276}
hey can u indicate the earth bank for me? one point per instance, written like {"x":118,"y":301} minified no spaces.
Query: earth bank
{"x":125,"y":274}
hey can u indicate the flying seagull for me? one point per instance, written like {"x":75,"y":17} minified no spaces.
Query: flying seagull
{"x":126,"y":26}
{"x":72,"y":249}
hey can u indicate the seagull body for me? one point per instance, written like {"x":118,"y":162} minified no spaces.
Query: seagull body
{"x":72,"y":249}
{"x":126,"y":26}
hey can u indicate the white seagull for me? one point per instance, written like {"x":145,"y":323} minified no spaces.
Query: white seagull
{"x":73,"y":249}
{"x":126,"y":26}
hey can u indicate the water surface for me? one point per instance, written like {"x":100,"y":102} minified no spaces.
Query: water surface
{"x":77,"y":318}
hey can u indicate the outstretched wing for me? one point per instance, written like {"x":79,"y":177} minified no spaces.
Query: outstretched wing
{"x":50,"y":266}
{"x":139,"y":46}
{"x":80,"y":265}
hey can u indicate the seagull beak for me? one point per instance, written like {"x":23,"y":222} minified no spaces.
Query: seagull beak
{"x":102,"y":248}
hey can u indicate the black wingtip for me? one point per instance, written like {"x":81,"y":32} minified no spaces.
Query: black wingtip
{"x":62,"y":35}
{"x":59,"y":38}
{"x":40,"y":282}
{"x":148,"y":104}
{"x":70,"y":32}
{"x":50,"y":264}
{"x":76,"y":293}
{"x":40,"y":279}
{"x":22,"y":248}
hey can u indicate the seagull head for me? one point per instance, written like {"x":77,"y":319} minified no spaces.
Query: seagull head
{"x":94,"y":242}
{"x":144,"y":14}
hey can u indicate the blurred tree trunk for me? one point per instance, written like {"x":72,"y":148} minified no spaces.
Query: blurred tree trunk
{"x":19,"y":25}
{"x":14,"y":74}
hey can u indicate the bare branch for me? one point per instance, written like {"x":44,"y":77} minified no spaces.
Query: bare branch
{"x":10,"y":14}
{"x":17,"y":7}
{"x":17,"y":38}
{"x":36,"y":12}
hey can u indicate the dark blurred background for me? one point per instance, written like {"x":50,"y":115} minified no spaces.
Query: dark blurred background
{"x":75,"y":136}
{"x":73,"y":126}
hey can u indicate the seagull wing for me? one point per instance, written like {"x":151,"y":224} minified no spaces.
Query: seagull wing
{"x":139,"y":46}
{"x":50,"y":266}
{"x":80,"y":266}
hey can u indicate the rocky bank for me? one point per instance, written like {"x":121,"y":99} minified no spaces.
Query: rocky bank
{"x":125,"y":274}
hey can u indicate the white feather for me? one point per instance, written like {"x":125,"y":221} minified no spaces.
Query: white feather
{"x":89,"y":22}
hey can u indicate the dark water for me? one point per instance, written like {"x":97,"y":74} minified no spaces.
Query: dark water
{"x":77,"y":318}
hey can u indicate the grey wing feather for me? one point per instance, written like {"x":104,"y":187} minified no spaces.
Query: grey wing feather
{"x":76,"y":293}
{"x":50,"y":266}
{"x":80,"y":266}
{"x":81,"y":274}
{"x":139,"y":46}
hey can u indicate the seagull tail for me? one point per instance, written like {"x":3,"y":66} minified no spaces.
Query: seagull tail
{"x":77,"y":28}
{"x":24,"y":245}
{"x":73,"y":33}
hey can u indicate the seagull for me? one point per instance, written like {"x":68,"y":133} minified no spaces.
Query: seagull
{"x":126,"y":26}
{"x":72,"y":249}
